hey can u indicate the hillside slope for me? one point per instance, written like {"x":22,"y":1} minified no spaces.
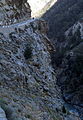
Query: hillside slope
{"x":28,"y":89}
{"x":62,"y":15}
{"x":65,"y":20}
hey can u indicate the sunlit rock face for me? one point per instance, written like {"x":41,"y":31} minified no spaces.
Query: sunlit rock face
{"x":39,"y":7}
{"x":12,"y":11}
{"x":28,"y":89}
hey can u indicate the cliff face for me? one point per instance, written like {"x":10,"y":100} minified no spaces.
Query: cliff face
{"x":39,"y":7}
{"x":28,"y":88}
{"x":62,"y":15}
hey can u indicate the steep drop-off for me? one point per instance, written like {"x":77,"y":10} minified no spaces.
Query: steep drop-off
{"x":62,"y":15}
{"x":28,"y":89}
{"x":65,"y":20}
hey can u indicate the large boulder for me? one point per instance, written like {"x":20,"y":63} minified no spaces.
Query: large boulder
{"x":2,"y":114}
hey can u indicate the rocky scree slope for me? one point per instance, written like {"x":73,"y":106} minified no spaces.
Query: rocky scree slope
{"x":27,"y":79}
{"x":62,"y":15}
{"x":28,"y":89}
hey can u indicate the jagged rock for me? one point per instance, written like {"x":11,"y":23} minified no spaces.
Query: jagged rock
{"x":28,"y":87}
{"x":62,"y":15}
{"x":12,"y":11}
{"x":31,"y":76}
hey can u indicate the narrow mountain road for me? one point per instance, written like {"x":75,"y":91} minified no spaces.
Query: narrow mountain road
{"x":7,"y":29}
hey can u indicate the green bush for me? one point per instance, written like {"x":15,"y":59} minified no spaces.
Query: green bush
{"x":28,"y":52}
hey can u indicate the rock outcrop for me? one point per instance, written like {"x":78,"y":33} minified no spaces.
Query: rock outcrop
{"x":28,"y":89}
{"x":26,"y":75}
{"x":62,"y":15}
{"x":2,"y":115}
{"x":12,"y":11}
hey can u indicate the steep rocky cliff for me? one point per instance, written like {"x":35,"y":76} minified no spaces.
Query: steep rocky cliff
{"x":39,"y":7}
{"x":65,"y":19}
{"x":28,"y":89}
{"x":27,"y":79}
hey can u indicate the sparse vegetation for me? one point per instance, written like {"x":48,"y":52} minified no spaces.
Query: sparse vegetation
{"x":28,"y":52}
